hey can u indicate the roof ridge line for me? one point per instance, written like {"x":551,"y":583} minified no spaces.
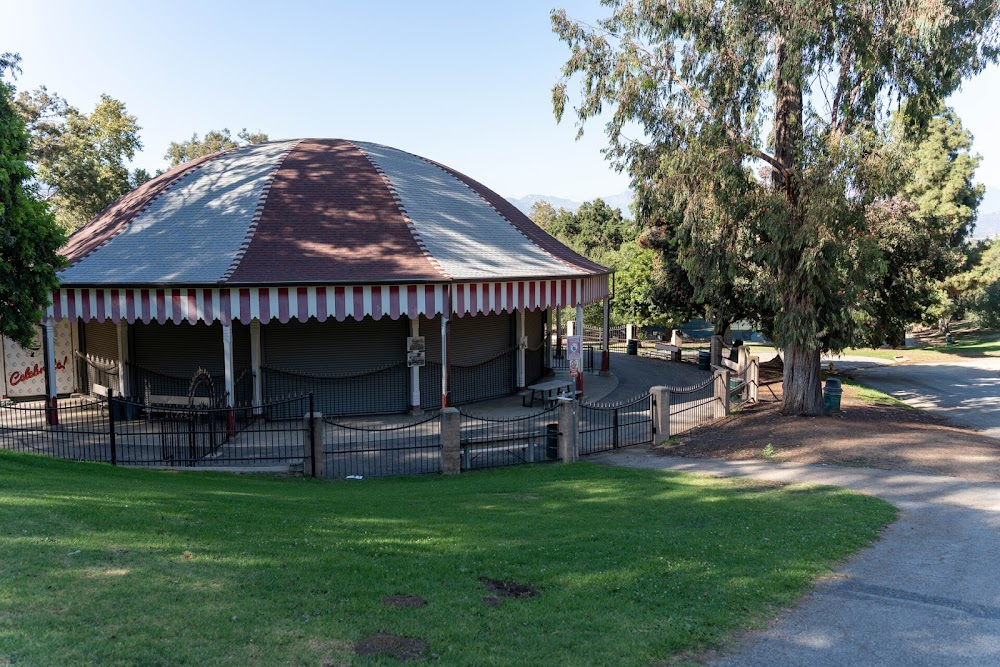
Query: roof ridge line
{"x":478,"y":194}
{"x":421,"y":244}
{"x":265,"y":190}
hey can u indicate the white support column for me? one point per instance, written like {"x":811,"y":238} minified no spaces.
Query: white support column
{"x":414,"y":370}
{"x":258,"y":379}
{"x":519,"y":318}
{"x":123,"y":359}
{"x":51,"y":393}
{"x":579,"y":332}
{"x":548,"y":338}
{"x":559,"y":352}
{"x":227,"y":360}
{"x":605,"y":350}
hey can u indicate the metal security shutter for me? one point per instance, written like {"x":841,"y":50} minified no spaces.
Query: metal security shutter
{"x":430,"y":375}
{"x":101,"y":339}
{"x":178,"y":350}
{"x":534,"y":364}
{"x":482,"y":358}
{"x":351,"y":367}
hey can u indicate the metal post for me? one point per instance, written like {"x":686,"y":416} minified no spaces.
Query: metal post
{"x":227,"y":354}
{"x":51,"y":393}
{"x":559,"y":353}
{"x":414,"y":370}
{"x":579,"y":332}
{"x":111,"y":426}
{"x":614,"y":429}
{"x":255,"y":358}
{"x":605,"y":349}
{"x":519,"y":318}
{"x":548,"y":339}
{"x":445,"y":357}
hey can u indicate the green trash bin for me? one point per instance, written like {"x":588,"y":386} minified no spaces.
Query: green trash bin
{"x":632,"y":347}
{"x":704,"y":360}
{"x":831,"y":395}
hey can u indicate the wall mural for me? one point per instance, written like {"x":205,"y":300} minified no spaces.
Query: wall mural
{"x":25,"y":368}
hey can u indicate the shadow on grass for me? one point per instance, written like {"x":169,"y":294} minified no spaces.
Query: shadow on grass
{"x":109,"y":566}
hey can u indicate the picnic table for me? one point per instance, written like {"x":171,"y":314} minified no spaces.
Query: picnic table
{"x":548,"y":391}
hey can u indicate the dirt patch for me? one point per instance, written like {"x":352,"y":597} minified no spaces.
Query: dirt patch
{"x":862,"y":434}
{"x":492,"y":601}
{"x":404,"y":601}
{"x":400,"y":648}
{"x":508,"y":589}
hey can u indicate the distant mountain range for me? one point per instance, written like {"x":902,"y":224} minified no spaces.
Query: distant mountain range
{"x":622,"y":200}
{"x":987,"y":224}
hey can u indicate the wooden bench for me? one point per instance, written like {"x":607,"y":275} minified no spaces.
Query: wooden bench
{"x":673,"y":350}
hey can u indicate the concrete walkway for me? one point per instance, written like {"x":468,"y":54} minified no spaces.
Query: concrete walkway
{"x":926,"y":594}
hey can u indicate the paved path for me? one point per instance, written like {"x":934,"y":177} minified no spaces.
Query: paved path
{"x":968,"y":393}
{"x":927,"y":594}
{"x":637,"y":374}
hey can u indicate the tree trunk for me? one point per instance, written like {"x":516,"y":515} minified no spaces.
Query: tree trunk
{"x":802,"y":386}
{"x":897,"y":338}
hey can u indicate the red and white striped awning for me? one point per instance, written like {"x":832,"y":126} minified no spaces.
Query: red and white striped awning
{"x":302,"y":303}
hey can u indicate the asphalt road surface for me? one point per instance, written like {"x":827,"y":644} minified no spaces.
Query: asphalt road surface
{"x":968,"y":393}
{"x":924,"y":595}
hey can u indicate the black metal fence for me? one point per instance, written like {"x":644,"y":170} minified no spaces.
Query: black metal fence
{"x":379,"y":450}
{"x":489,"y":443}
{"x":695,"y":405}
{"x":588,"y":359}
{"x":378,"y":391}
{"x":610,"y":426}
{"x":148,"y":387}
{"x":485,"y":379}
{"x":100,"y":372}
{"x":125,"y":432}
{"x":78,"y":429}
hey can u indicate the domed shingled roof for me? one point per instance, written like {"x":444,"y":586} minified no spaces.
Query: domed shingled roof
{"x":313,"y":212}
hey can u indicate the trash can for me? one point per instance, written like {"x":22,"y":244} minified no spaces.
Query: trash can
{"x":632,"y":347}
{"x":831,"y":395}
{"x":123,"y":411}
{"x":552,"y":441}
{"x":704,"y":360}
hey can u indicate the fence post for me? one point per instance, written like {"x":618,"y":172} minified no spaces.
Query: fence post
{"x":753,"y":377}
{"x":451,"y":441}
{"x":721,"y":393}
{"x":569,"y":429}
{"x":716,"y":351}
{"x":661,"y":414}
{"x":111,"y":426}
{"x":313,"y":459}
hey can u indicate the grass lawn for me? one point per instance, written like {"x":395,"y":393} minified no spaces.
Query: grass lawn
{"x":855,"y":389}
{"x":105,"y":566}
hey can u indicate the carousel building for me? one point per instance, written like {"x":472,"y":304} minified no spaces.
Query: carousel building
{"x":379,"y":280}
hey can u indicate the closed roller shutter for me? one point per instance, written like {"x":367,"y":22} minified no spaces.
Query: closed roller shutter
{"x":350,"y":367}
{"x":534,"y":362}
{"x":101,"y":339}
{"x":430,"y":375}
{"x":482,"y":357}
{"x":166,"y":356}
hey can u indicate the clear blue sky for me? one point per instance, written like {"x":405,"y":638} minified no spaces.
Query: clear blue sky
{"x":465,"y":83}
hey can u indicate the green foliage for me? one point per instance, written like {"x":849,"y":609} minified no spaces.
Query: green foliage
{"x":766,"y":151}
{"x":29,"y":236}
{"x":106,"y":566}
{"x":213,"y":142}
{"x":80,"y":158}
